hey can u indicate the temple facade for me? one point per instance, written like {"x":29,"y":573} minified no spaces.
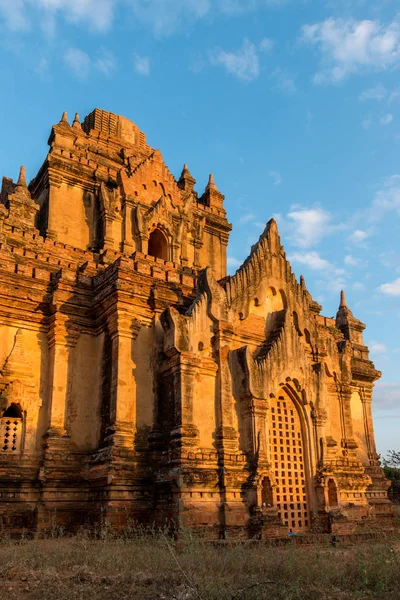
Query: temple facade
{"x":139,"y":382}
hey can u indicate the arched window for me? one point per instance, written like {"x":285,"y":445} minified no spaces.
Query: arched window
{"x":11,"y":429}
{"x":267,"y":498}
{"x":332,"y":493}
{"x":158,"y":245}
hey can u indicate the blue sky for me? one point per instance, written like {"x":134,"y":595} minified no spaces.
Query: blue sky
{"x":293,"y":105}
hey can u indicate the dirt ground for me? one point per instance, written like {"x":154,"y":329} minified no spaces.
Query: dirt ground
{"x":156,"y":567}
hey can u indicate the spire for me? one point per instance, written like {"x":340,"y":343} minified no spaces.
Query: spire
{"x":22,"y":209}
{"x":64,"y":118}
{"x":211,"y":183}
{"x":343,"y":303}
{"x":185,"y":172}
{"x":212,"y":196}
{"x":22,"y":177}
{"x":302,"y":281}
{"x":351,"y":327}
{"x":186,"y":181}
{"x":76,"y":124}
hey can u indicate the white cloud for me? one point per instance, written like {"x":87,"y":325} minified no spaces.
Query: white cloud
{"x":260,"y":225}
{"x":333,"y":284}
{"x":165,"y":17}
{"x":391,"y":260}
{"x":243,"y":63}
{"x":351,"y":261}
{"x":388,"y":198}
{"x":246,"y":218}
{"x":387,"y":119}
{"x":387,"y":395}
{"x":19,"y":14}
{"x":379,"y":93}
{"x":377,"y":347}
{"x":266,"y":45}
{"x":106,"y":62}
{"x":81,"y":64}
{"x":277,"y":179}
{"x":366,"y":122}
{"x":284,"y":81}
{"x":49,"y":24}
{"x":359,"y":236}
{"x":348,"y":46}
{"x":332,"y":279}
{"x":14,"y":14}
{"x":98,"y":14}
{"x":311,"y":259}
{"x":141,"y":64}
{"x":358,"y":286}
{"x":238,"y":7}
{"x":42,"y":67}
{"x":233,"y":262}
{"x":309,"y":225}
{"x":394,"y":96}
{"x":78,"y":62}
{"x":391,"y":289}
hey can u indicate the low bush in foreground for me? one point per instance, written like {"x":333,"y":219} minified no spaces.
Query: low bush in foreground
{"x":156,"y":567}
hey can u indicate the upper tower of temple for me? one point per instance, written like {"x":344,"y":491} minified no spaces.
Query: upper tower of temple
{"x":103,"y":187}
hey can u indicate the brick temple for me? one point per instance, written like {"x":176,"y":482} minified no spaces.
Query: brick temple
{"x":141,"y":383}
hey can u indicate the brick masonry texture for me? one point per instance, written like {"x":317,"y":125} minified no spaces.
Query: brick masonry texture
{"x":139,"y":382}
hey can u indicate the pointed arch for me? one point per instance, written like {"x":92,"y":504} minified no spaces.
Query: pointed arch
{"x":332,"y":493}
{"x":13,"y":411}
{"x":158,"y":244}
{"x":267,"y":495}
{"x":290,"y":453}
{"x":11,"y":429}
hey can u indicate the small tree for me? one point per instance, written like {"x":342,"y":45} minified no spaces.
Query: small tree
{"x":391,"y":467}
{"x":392,"y":459}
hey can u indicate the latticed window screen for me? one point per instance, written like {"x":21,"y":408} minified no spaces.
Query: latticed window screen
{"x":287,"y":458}
{"x":10,"y":434}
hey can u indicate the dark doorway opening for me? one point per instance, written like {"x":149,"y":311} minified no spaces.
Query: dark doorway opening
{"x":158,"y":245}
{"x":267,"y":497}
{"x":13,"y":412}
{"x":332,"y":493}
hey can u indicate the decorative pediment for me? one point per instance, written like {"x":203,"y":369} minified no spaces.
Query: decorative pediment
{"x":217,"y":301}
{"x":265,"y":274}
{"x":176,"y":333}
{"x":16,"y":375}
{"x":13,"y":392}
{"x":159,"y":214}
{"x":280,"y":357}
{"x":110,"y":203}
{"x":149,"y":179}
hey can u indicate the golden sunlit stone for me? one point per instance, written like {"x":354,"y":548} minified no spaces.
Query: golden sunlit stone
{"x":138,"y":381}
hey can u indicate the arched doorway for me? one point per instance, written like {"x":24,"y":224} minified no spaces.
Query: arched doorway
{"x":267,"y":496}
{"x":332,"y":494}
{"x":11,"y":429}
{"x":158,"y":245}
{"x":287,"y":458}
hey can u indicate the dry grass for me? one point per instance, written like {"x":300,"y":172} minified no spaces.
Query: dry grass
{"x":148,"y":567}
